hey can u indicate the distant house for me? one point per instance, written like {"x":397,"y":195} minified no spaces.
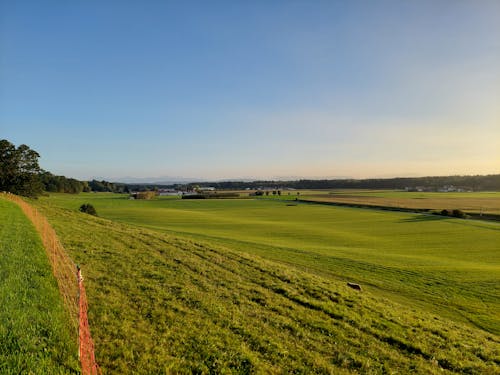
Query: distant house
{"x":451,"y":188}
{"x":419,"y":189}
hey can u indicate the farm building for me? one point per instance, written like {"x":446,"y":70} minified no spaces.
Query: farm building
{"x":168,"y":192}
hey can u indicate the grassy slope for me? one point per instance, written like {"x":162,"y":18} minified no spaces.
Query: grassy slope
{"x":34,"y":334}
{"x":450,"y":266}
{"x":160,"y":303}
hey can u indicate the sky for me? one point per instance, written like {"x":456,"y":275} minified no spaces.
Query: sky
{"x":253,"y":89}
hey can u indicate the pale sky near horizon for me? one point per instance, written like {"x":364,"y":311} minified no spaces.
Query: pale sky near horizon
{"x":253,"y":89}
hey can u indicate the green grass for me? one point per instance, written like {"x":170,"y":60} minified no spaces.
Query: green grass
{"x":35,"y":337}
{"x":415,"y":194}
{"x":448,"y":266}
{"x":472,"y":203}
{"x":388,"y":194}
{"x":160,"y":303}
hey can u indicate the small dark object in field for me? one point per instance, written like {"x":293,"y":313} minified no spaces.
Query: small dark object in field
{"x":354,"y":286}
{"x":291,"y":204}
{"x":194,"y":196}
{"x":88,"y":209}
{"x":454,"y":213}
{"x":458,"y":213}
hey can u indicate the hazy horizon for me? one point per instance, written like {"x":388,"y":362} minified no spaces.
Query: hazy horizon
{"x":254,"y":90}
{"x":180,"y":179}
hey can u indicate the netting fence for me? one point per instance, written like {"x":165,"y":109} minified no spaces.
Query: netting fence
{"x":69,"y":280}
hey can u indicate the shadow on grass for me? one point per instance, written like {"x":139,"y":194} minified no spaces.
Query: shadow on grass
{"x":424,"y":217}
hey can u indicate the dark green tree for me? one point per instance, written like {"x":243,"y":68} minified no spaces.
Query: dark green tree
{"x":8,"y":168}
{"x":19,"y":170}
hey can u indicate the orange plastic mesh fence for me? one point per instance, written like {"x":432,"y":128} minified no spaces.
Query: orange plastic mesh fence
{"x":87,"y":357}
{"x":69,"y":281}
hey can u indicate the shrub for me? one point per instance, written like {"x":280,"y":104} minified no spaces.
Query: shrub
{"x":194,"y":196}
{"x":445,"y":213}
{"x":221,"y":195}
{"x":88,"y":209}
{"x":458,"y":213}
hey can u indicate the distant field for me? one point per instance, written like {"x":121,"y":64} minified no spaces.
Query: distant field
{"x":195,"y":292}
{"x":473,"y":202}
{"x":477,"y":202}
{"x":35,"y":336}
{"x":449,"y":266}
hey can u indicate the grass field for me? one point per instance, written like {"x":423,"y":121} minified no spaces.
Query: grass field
{"x":449,"y":266}
{"x":35,"y":337}
{"x":474,"y":203}
{"x":205,"y":301}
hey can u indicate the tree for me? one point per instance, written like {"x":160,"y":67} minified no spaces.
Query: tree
{"x":458,"y":213}
{"x":19,"y":170}
{"x":8,"y":166}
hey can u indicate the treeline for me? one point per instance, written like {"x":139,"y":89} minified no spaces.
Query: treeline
{"x":475,"y":183}
{"x":21,"y":174}
{"x":61,"y":184}
{"x":106,"y":186}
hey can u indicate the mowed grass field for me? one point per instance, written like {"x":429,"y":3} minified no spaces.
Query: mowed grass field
{"x":230,"y":297}
{"x":35,"y":337}
{"x":448,"y":266}
{"x":470,"y":202}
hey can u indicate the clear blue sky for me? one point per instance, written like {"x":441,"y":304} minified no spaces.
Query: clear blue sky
{"x":228,"y":89}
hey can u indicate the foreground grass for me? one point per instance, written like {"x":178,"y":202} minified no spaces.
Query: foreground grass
{"x":451,"y":267}
{"x":160,"y":304}
{"x":35,"y":337}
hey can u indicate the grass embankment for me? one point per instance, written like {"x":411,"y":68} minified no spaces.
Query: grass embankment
{"x":35,"y":334}
{"x":160,"y":303}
